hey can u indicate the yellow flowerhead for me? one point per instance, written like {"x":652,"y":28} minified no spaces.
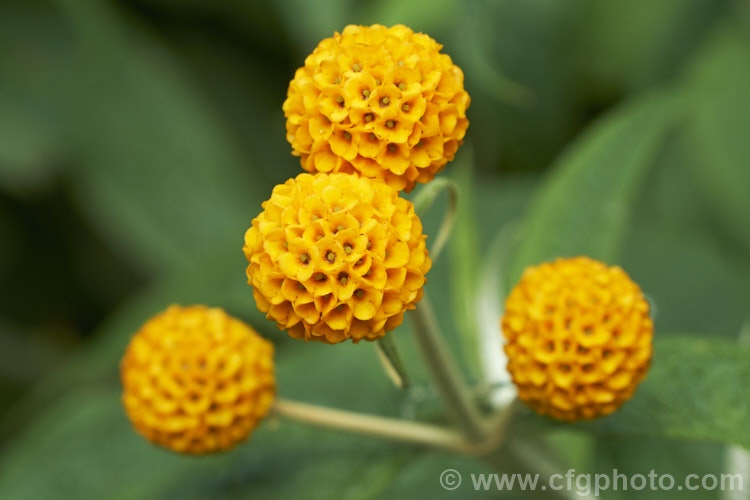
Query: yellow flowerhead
{"x":578,"y":338}
{"x":383,"y":102}
{"x":336,"y":257}
{"x":197,"y":380}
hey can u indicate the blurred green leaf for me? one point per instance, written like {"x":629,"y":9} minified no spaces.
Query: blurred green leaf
{"x":486,"y":206}
{"x":681,"y":268}
{"x":160,"y":179}
{"x":672,"y":250}
{"x":583,"y":207}
{"x":250,"y":20}
{"x":35,"y":64}
{"x":519,"y":59}
{"x":250,"y":105}
{"x":310,"y":22}
{"x":464,"y":251}
{"x":628,"y":46}
{"x":696,"y":389}
{"x":218,"y":281}
{"x":416,"y":15}
{"x":636,"y":455}
{"x":719,"y":128}
{"x":26,"y":149}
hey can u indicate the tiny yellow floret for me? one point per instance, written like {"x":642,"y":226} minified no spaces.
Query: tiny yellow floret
{"x":578,"y":338}
{"x":334,"y":257}
{"x":381,"y":102}
{"x":197,"y":380}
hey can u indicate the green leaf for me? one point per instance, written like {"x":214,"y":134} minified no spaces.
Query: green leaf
{"x":693,"y":284}
{"x":35,"y":50}
{"x":309,"y":23}
{"x":627,"y":46}
{"x":160,"y":178}
{"x":487,"y":205}
{"x":696,"y":389}
{"x":464,"y":248}
{"x":520,"y":62}
{"x":25,"y":149}
{"x":416,"y":15}
{"x":674,"y":252}
{"x":218,"y":281}
{"x":583,"y":207}
{"x":718,"y":134}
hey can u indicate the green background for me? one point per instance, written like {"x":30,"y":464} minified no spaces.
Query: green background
{"x":138,"y":139}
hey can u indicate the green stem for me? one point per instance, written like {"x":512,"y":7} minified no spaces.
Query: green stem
{"x":424,"y":200}
{"x":391,"y":361}
{"x":371,"y":425}
{"x":456,"y":396}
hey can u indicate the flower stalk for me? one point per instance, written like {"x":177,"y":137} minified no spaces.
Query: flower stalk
{"x":372,"y":425}
{"x":424,"y":200}
{"x":391,"y":361}
{"x":455,"y":394}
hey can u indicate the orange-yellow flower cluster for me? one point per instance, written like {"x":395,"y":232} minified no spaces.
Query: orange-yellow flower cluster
{"x":383,"y":102}
{"x":578,"y":338}
{"x":197,"y":380}
{"x":335,"y":257}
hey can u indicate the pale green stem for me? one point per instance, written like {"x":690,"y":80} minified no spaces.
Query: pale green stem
{"x":456,"y":396}
{"x":371,"y":425}
{"x":391,"y":361}
{"x":424,"y":200}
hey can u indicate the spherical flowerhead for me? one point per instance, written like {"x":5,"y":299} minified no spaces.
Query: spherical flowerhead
{"x":578,"y":338}
{"x":335,"y":257}
{"x":382,"y":102}
{"x":197,"y":380}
